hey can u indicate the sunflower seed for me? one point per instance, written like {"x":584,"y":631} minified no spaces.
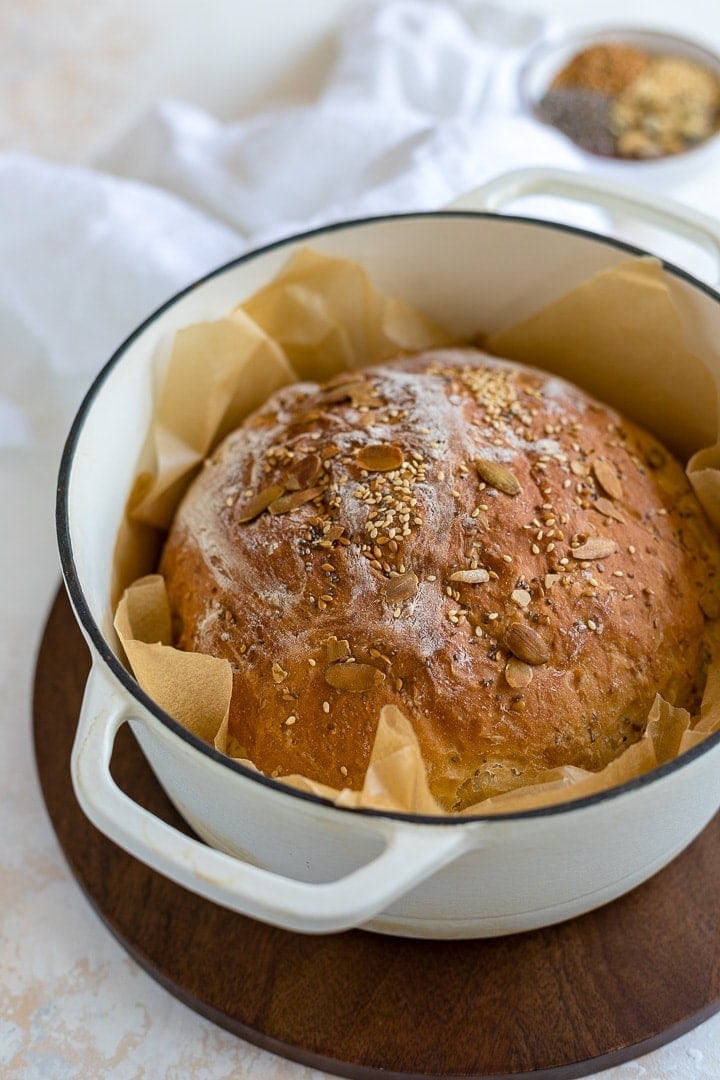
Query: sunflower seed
{"x":470,"y":577}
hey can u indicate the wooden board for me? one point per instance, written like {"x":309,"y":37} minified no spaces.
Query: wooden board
{"x":560,"y":1003}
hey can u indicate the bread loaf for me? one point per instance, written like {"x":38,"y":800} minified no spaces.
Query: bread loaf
{"x":514,"y":565}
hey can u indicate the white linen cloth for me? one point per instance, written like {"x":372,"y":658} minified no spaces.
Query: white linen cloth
{"x":419,"y":107}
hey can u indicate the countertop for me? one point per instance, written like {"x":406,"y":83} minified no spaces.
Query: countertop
{"x":72,"y":77}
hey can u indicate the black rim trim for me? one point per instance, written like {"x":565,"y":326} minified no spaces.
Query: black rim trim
{"x":67,"y":559}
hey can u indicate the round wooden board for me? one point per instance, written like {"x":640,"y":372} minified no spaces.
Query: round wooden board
{"x":560,"y":1003}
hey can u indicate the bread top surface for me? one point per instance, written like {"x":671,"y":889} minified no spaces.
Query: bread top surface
{"x":511,"y":563}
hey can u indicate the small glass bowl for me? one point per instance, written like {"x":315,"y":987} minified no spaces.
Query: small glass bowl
{"x":553,"y":52}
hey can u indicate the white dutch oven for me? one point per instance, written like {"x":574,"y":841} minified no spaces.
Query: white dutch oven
{"x":292,"y":859}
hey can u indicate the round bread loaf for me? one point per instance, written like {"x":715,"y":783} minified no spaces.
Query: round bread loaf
{"x":514,"y":565}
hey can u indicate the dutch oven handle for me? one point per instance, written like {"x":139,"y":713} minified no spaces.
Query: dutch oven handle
{"x":649,"y":208}
{"x":412,"y":852}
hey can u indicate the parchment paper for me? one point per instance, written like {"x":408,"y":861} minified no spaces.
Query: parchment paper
{"x":618,"y":335}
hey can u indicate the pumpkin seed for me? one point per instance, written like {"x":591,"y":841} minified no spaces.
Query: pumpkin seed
{"x":608,"y":509}
{"x":518,"y":674}
{"x":293,"y":500}
{"x":498,"y":476}
{"x":608,"y":479}
{"x":255,"y":506}
{"x":303,"y":472}
{"x":380,"y":457}
{"x":596,"y":547}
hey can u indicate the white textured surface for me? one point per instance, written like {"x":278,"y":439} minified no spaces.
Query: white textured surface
{"x":73,"y":76}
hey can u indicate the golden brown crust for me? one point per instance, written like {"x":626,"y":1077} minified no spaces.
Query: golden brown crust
{"x":511,"y":563}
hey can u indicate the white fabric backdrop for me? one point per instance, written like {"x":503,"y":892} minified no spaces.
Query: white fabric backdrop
{"x":419,"y":107}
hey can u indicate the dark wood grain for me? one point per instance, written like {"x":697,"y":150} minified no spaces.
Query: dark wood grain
{"x":560,"y":1003}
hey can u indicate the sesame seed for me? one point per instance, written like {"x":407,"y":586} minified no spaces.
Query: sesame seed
{"x":326,"y":706}
{"x":291,"y":720}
